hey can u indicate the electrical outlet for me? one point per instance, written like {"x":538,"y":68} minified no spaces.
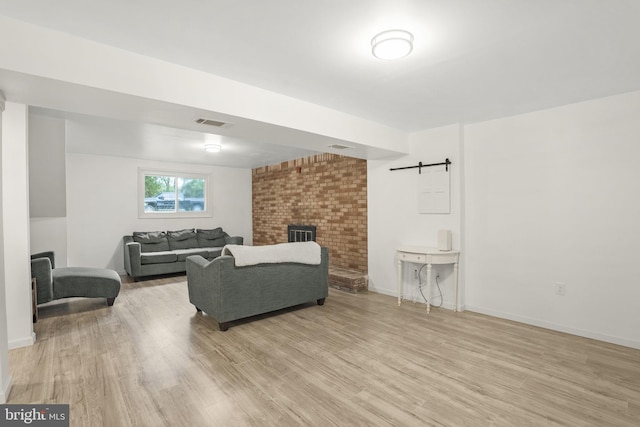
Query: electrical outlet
{"x":561,"y":288}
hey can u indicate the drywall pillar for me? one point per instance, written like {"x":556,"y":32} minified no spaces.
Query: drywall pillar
{"x":5,"y":376}
{"x":15,"y":218}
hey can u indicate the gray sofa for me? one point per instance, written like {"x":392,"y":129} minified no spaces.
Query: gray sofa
{"x":162,"y":252}
{"x":227,"y":293}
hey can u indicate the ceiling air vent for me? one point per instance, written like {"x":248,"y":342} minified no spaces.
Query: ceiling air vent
{"x":209,"y":122}
{"x":339,"y":147}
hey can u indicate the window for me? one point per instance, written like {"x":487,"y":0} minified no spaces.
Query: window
{"x":172,"y":194}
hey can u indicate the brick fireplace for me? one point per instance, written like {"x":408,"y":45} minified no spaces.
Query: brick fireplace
{"x":327,"y":191}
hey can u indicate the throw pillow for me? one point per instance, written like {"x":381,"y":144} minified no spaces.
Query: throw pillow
{"x":211,"y":238}
{"x":182,"y":239}
{"x":151,"y":241}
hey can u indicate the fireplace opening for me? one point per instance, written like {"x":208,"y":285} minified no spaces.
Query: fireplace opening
{"x":301,"y":233}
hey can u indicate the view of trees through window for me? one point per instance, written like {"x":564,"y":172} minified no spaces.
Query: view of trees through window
{"x":161,"y":192}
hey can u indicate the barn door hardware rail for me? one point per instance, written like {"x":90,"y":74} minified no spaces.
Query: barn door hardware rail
{"x":446,"y":162}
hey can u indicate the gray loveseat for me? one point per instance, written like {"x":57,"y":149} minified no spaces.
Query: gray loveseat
{"x":161,"y":252}
{"x":227,"y":292}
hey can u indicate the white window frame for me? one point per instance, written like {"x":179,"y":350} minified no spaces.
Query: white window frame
{"x":208,"y":194}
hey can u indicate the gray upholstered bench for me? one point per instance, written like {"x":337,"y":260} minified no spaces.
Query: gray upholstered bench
{"x":66,"y":282}
{"x":85,"y":282}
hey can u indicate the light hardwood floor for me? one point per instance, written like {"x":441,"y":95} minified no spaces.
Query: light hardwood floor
{"x":151,"y":360}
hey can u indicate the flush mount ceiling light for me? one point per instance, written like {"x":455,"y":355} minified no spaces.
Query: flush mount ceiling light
{"x":212,"y":148}
{"x":392,"y":44}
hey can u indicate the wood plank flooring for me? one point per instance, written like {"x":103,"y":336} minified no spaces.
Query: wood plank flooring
{"x":151,"y":360}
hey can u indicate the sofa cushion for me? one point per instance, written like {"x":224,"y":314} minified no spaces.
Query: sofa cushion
{"x":151,"y":241}
{"x":182,"y":254}
{"x":182,"y":239}
{"x":85,"y":282}
{"x":208,"y":238}
{"x":158,"y":257}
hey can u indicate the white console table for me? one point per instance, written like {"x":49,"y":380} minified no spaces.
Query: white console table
{"x":428,"y":256}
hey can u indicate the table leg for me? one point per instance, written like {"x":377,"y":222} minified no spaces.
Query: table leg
{"x":455,"y":286}
{"x":399,"y":280}
{"x":428,"y":288}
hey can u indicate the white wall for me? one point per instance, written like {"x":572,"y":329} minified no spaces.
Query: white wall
{"x":552,"y":196}
{"x":47,"y":186}
{"x":102,"y":206}
{"x":393,"y":212}
{"x":15,"y":216}
{"x":49,"y":234}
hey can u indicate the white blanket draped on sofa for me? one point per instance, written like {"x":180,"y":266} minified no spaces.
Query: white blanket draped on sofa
{"x":300,"y":252}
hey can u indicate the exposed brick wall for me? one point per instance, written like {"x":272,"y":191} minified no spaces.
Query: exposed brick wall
{"x":326,"y":190}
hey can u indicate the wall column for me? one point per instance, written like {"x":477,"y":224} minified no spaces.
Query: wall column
{"x":15,"y":218}
{"x":5,"y":376}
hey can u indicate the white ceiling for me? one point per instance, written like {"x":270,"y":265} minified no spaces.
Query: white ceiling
{"x":472,"y":61}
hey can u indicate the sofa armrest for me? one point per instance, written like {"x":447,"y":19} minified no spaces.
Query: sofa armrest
{"x":41,"y":270}
{"x":233,"y":240}
{"x":203,"y":283}
{"x":132,"y":257}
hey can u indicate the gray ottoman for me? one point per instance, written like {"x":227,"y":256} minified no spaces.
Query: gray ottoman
{"x":85,"y":282}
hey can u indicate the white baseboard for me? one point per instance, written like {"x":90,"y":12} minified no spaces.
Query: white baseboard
{"x":23,"y":342}
{"x":556,"y":327}
{"x":6,"y":390}
{"x":394,"y":293}
{"x":531,"y":321}
{"x":391,"y":293}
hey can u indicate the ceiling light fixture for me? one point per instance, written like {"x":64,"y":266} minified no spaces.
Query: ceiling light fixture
{"x":392,"y":44}
{"x":212,"y":148}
